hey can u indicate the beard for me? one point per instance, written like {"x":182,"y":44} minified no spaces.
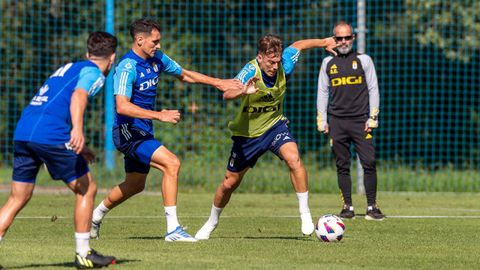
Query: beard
{"x":346,"y":49}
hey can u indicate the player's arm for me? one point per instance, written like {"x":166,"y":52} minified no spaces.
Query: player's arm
{"x":322,"y":97}
{"x":373,"y":92}
{"x":127,"y":108}
{"x":232,"y":88}
{"x":79,"y":101}
{"x":89,"y":83}
{"x":328,"y":43}
{"x":123,"y":80}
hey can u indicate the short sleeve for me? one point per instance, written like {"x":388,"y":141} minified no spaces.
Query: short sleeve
{"x":91,"y":80}
{"x":125,"y":75}
{"x":169,"y":66}
{"x":247,"y":72}
{"x":290,"y":59}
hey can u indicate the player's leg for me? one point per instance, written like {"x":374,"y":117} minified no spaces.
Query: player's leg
{"x":341,"y":148}
{"x":85,"y":189}
{"x":26,"y":164}
{"x":366,"y":152}
{"x":243,"y":156}
{"x":133,"y":184}
{"x":167,"y":162}
{"x":19,"y":197}
{"x":137,"y":147}
{"x":224,"y":191}
{"x":298,"y":176}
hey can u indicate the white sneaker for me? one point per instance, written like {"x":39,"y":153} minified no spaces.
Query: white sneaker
{"x":205,"y":231}
{"x":95,"y":230}
{"x":307,"y":224}
{"x":179,"y":235}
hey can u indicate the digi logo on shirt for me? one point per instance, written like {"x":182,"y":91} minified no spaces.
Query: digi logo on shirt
{"x":149,"y":83}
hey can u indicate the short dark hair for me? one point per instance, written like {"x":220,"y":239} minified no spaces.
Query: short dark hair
{"x":143,"y":25}
{"x":270,"y":44}
{"x":101,"y":44}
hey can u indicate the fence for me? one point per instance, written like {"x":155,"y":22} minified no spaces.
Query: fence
{"x":426,"y":55}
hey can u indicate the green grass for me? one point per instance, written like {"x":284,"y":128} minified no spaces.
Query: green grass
{"x":257,"y":231}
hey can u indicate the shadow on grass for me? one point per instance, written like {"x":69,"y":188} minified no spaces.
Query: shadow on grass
{"x":147,"y":237}
{"x":66,"y":264}
{"x":296,"y":238}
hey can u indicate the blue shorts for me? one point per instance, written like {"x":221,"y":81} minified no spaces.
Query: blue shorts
{"x":137,"y":145}
{"x":62,"y":163}
{"x":246,"y":151}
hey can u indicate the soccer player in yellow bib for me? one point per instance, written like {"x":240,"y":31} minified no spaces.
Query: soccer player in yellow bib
{"x":260,"y":125}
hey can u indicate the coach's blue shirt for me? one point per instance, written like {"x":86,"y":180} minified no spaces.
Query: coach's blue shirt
{"x":47,"y":119}
{"x":289,"y":60}
{"x":137,"y":79}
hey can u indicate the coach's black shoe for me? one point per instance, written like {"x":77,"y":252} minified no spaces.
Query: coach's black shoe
{"x":93,"y":260}
{"x":374,"y":213}
{"x":347,"y":212}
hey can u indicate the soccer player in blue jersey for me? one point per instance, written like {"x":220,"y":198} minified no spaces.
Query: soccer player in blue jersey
{"x":135,"y":85}
{"x":50,"y":132}
{"x":260,"y":126}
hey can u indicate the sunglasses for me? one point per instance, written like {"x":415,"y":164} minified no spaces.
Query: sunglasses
{"x":347,"y":38}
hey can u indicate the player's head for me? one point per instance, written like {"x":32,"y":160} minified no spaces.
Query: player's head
{"x":101,"y":47}
{"x":343,"y":35}
{"x":146,"y":37}
{"x":269,"y":54}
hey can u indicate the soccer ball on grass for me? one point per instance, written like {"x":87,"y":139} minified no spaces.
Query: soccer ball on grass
{"x":329,"y":228}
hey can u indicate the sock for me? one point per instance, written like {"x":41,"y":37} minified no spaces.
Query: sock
{"x":214,"y":215}
{"x":303,"y":203}
{"x":1,"y":238}
{"x":83,"y":243}
{"x":172,"y":220}
{"x":99,"y":213}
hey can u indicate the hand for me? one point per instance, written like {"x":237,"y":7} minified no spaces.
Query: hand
{"x":230,"y":85}
{"x":250,"y":87}
{"x":326,"y":129}
{"x":371,"y":124}
{"x":88,"y":154}
{"x":77,"y":140}
{"x":169,"y":116}
{"x":331,"y":44}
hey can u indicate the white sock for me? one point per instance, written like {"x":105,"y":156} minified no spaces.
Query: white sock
{"x":303,"y":203}
{"x":99,"y":213}
{"x":214,"y":215}
{"x":172,"y":220}
{"x":83,"y":243}
{"x":1,"y":238}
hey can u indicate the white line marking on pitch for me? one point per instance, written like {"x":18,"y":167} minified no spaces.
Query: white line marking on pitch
{"x":156,"y":217}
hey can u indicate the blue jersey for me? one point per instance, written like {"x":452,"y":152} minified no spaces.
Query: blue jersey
{"x":137,"y":79}
{"x":47,"y":119}
{"x":289,"y":59}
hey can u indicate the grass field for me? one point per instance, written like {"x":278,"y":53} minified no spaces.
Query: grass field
{"x":257,"y":231}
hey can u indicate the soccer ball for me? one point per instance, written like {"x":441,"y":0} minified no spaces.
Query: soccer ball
{"x":329,"y":228}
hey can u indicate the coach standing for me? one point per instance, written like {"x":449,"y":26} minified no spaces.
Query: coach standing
{"x":353,"y":108}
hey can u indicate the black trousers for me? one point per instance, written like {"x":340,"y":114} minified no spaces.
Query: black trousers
{"x":343,"y":133}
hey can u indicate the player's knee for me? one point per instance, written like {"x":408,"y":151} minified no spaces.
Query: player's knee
{"x":230,"y":183}
{"x":294,"y":162}
{"x":173,"y":166}
{"x":369,"y":165}
{"x":21,"y":199}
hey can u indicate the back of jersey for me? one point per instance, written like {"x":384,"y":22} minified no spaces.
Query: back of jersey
{"x":46,"y":119}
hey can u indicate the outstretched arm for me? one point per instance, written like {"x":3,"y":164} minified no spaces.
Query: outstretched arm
{"x":233,"y":86}
{"x":328,"y":43}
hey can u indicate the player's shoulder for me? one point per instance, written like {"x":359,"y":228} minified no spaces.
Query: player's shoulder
{"x":363,"y":56}
{"x":127,"y":64}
